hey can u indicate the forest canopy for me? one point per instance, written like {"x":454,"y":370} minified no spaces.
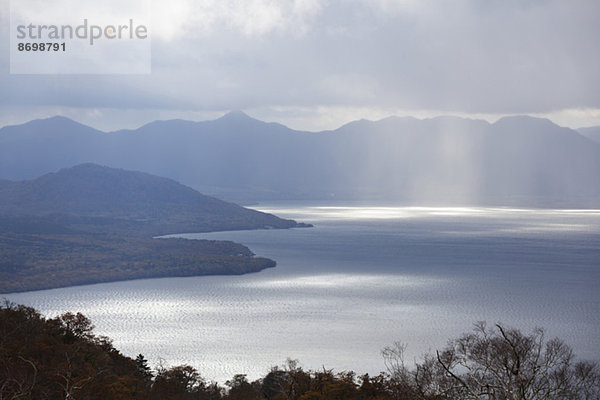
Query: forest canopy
{"x":62,"y":358}
{"x":34,"y":262}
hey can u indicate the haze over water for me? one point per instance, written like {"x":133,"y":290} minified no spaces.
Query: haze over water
{"x":361,"y":279}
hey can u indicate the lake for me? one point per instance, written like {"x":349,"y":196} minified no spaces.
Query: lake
{"x":362,"y":278}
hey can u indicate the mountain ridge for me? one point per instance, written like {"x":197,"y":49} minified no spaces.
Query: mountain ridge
{"x":517,"y":160}
{"x":592,"y":133}
{"x":241,"y":116}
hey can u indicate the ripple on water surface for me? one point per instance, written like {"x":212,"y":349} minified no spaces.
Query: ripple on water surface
{"x":363,"y":278}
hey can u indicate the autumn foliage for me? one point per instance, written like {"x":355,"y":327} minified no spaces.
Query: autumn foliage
{"x":62,"y":358}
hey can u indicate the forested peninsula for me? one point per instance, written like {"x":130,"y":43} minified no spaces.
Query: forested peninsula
{"x":91,"y":224}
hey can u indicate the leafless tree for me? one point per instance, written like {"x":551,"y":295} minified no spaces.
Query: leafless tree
{"x":17,"y":384}
{"x":504,"y":364}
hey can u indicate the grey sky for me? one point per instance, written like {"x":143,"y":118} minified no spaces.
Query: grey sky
{"x":317,"y":64}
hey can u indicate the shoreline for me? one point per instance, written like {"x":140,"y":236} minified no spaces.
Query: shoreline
{"x":34,"y":262}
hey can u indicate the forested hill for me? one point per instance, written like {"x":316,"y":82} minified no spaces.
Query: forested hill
{"x":93,"y":198}
{"x":91,"y":224}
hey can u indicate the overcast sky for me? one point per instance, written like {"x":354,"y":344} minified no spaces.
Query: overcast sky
{"x":316,"y":64}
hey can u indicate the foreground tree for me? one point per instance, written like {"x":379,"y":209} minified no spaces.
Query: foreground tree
{"x":62,"y":358}
{"x":504,"y":364}
{"x":241,"y":389}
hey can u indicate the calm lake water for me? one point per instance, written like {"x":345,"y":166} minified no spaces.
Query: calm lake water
{"x":361,"y":279}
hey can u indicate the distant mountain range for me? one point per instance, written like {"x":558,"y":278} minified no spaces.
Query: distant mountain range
{"x":446,"y":160}
{"x":591,"y":133}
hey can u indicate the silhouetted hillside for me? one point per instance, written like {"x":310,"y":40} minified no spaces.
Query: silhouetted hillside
{"x":101,"y":199}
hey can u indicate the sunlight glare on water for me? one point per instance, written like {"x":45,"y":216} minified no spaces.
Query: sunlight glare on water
{"x":361,"y":279}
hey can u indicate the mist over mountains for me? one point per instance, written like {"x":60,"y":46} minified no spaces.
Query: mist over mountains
{"x":591,"y":133}
{"x":445,"y":160}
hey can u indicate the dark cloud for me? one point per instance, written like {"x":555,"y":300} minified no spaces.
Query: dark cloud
{"x":464,"y":56}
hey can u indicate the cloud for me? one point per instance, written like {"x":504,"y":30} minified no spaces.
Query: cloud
{"x":254,"y":18}
{"x":496,"y":57}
